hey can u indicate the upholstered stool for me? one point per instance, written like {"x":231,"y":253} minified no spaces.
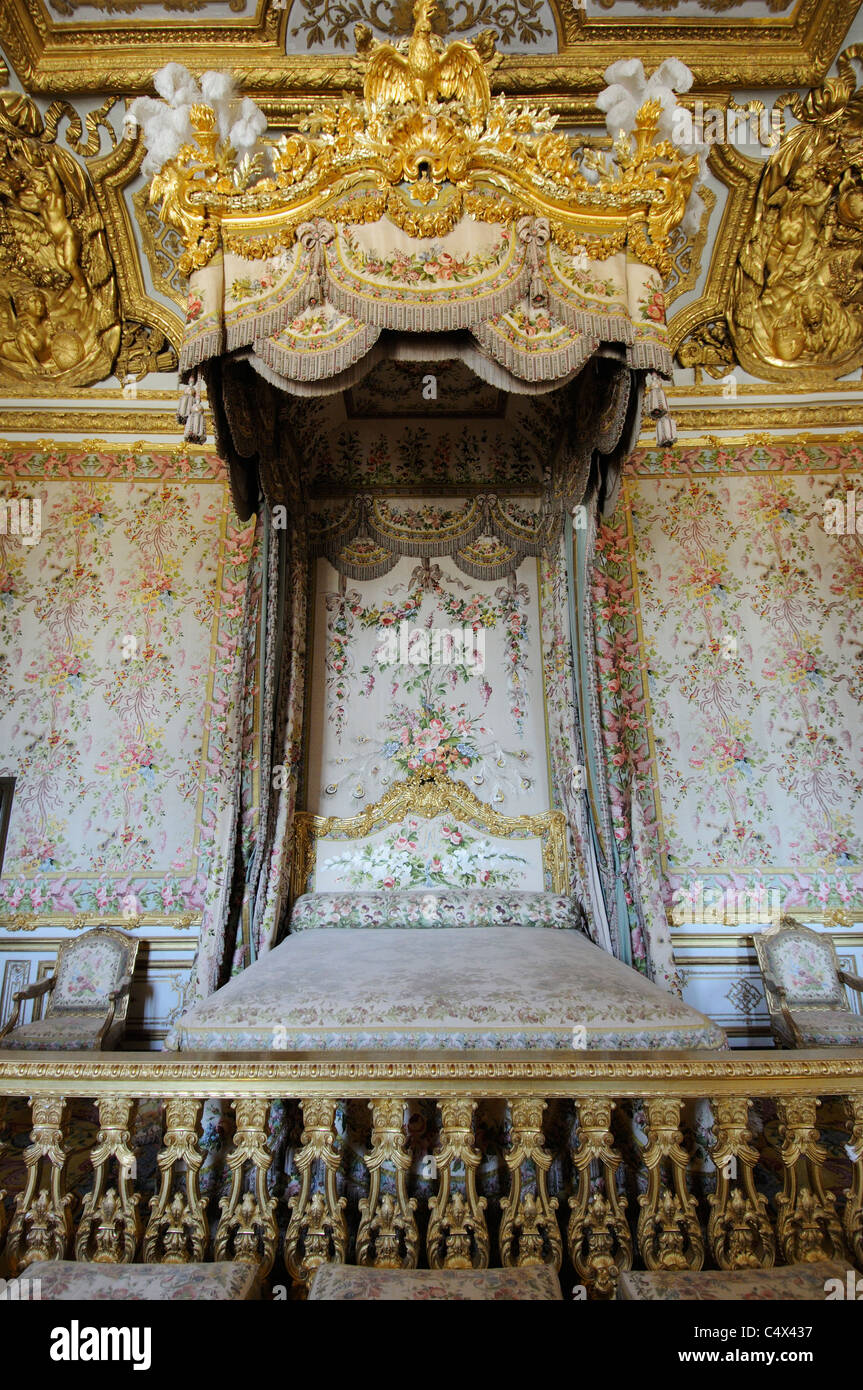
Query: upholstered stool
{"x":804,"y":1282}
{"x":69,"y":1280}
{"x":335,"y":1282}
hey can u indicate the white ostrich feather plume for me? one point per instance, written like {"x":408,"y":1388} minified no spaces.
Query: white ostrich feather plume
{"x":166,"y":124}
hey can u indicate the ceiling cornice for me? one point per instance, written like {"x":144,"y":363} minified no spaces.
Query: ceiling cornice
{"x":119,"y":56}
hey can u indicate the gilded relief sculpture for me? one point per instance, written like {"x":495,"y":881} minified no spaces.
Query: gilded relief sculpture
{"x":59,"y":308}
{"x":797,"y":296}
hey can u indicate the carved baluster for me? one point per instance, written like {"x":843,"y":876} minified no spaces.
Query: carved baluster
{"x":853,"y":1220}
{"x":387,"y":1236}
{"x":41,"y":1225}
{"x":247,"y":1229}
{"x":669,"y":1234}
{"x":457,"y":1235}
{"x":317,"y":1232}
{"x":808,"y":1227}
{"x":739,"y":1231}
{"x":177,"y":1231}
{"x":529,"y":1233}
{"x":600,"y":1244}
{"x":110,"y":1224}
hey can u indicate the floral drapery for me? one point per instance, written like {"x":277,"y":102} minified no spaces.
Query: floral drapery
{"x":627,"y":766}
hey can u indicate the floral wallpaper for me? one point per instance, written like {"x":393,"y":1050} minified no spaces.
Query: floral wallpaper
{"x":427,"y":668}
{"x":119,"y":635}
{"x":751,"y":641}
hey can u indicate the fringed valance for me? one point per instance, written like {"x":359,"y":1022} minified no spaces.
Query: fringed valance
{"x":487,"y":537}
{"x":317,"y":308}
{"x":429,"y":211}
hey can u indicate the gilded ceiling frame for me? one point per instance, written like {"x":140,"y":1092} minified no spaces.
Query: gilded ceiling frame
{"x":121,"y":56}
{"x":740,"y":175}
{"x":111,"y":174}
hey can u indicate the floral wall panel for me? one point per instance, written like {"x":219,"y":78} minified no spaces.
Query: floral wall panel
{"x":750,"y":611}
{"x":426,"y":667}
{"x":119,"y":633}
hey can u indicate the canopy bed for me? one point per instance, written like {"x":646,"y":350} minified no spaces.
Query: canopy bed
{"x":427,"y":324}
{"x":450,"y":963}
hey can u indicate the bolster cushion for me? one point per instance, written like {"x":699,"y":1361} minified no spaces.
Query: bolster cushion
{"x":463,"y":907}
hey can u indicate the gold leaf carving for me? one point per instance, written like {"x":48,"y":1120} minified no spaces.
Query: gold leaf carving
{"x":795,"y":303}
{"x":59,"y":312}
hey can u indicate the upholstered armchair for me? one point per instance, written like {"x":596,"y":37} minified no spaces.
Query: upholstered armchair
{"x":805,"y":988}
{"x":86,"y":998}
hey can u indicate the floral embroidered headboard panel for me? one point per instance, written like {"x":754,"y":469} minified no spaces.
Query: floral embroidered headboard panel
{"x":426,"y":834}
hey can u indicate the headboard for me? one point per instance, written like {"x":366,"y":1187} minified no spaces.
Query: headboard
{"x":423,"y":833}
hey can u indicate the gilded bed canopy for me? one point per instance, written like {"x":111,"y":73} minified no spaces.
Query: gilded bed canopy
{"x":428,"y":222}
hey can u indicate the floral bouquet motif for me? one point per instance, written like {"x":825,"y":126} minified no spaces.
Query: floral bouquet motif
{"x":434,"y":736}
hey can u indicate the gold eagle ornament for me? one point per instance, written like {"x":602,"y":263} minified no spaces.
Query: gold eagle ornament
{"x":421,"y":70}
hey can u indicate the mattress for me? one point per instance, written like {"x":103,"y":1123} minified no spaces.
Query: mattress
{"x":452,"y":987}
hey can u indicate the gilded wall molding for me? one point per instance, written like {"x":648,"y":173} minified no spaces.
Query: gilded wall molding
{"x":764,"y":418}
{"x":36,"y":921}
{"x":695,"y":420}
{"x":791,"y":451}
{"x":147,"y":422}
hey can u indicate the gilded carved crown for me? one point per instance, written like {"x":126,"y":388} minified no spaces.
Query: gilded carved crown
{"x":425,"y":146}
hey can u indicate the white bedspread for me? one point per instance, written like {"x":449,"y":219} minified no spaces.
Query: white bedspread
{"x":502,"y":988}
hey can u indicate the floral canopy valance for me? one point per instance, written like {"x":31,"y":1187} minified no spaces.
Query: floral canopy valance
{"x":316,"y":310}
{"x":487,"y":537}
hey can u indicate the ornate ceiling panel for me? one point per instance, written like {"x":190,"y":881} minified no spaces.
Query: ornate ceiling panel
{"x":770,"y":287}
{"x":783,"y":299}
{"x":90,"y":12}
{"x":288,"y":48}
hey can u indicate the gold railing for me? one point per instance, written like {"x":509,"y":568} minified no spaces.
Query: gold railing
{"x":591,"y":1227}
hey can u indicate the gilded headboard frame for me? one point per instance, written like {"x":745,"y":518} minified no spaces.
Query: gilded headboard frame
{"x":430,"y":794}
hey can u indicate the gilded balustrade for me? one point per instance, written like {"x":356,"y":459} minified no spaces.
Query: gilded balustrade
{"x":675,"y":1220}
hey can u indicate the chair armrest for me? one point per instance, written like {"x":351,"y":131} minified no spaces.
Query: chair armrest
{"x":852,"y":981}
{"x":779,"y":990}
{"x":31,"y":992}
{"x":115,"y":995}
{"x":782,"y":995}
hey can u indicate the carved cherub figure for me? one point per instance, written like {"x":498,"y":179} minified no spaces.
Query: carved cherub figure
{"x":29,"y":343}
{"x":45,"y":197}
